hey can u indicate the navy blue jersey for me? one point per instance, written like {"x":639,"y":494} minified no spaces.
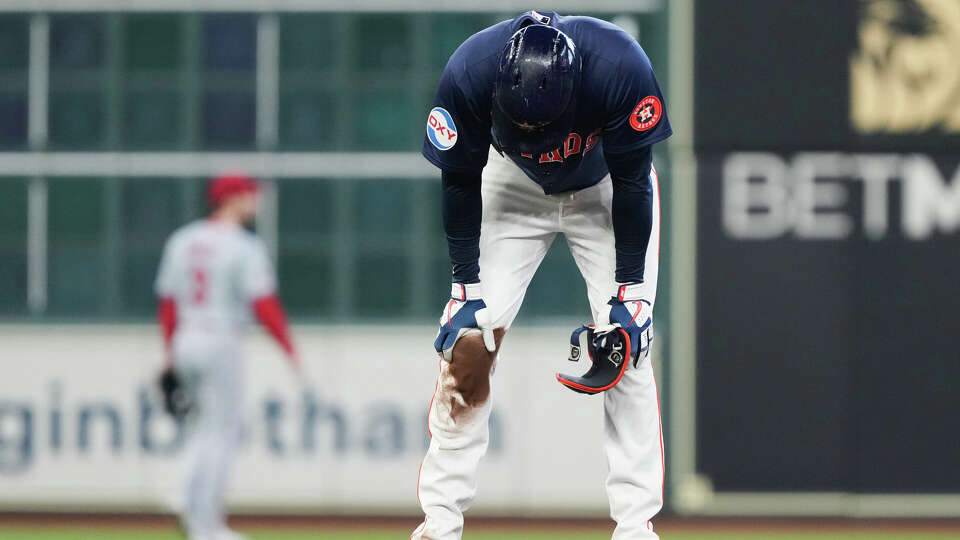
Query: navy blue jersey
{"x":620,"y":106}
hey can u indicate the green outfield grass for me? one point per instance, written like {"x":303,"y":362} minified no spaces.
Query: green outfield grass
{"x":134,"y":534}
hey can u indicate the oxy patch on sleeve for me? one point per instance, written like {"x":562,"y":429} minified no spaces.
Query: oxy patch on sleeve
{"x":441,"y":131}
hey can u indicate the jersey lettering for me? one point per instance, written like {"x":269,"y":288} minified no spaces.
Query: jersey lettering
{"x":199,"y":285}
{"x":552,"y":156}
{"x":571,"y":146}
{"x":592,"y":141}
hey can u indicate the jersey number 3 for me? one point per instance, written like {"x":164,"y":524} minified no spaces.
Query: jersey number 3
{"x":199,"y":286}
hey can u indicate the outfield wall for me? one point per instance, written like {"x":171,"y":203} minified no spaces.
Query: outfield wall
{"x":81,"y":427}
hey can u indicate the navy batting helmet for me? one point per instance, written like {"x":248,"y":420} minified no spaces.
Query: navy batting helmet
{"x":610,"y":352}
{"x":535,"y":94}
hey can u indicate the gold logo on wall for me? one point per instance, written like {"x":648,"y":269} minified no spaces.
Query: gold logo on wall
{"x":905,"y":77}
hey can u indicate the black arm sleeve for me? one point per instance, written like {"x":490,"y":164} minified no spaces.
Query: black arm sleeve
{"x":462,"y":211}
{"x":632,"y":211}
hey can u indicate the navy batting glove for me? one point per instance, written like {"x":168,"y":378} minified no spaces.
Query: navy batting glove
{"x":464,"y":311}
{"x":628,"y":310}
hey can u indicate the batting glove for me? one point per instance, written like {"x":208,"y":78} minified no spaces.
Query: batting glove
{"x":464,"y":311}
{"x":628,"y":310}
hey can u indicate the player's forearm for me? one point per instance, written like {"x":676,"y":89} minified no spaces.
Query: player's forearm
{"x":167,"y":318}
{"x":270,"y":313}
{"x":462,"y":212}
{"x":632,"y":211}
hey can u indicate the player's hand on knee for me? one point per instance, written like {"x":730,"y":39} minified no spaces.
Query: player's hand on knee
{"x":465,"y":310}
{"x":630,"y":311}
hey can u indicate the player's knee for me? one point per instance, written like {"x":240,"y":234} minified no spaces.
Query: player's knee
{"x":471,"y":367}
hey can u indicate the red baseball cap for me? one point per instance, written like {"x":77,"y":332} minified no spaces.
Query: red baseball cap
{"x":227,"y":185}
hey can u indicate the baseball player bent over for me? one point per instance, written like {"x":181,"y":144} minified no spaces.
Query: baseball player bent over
{"x":214,"y":275}
{"x":543,"y":125}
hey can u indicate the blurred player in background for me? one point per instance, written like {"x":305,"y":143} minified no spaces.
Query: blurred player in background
{"x":544,"y":125}
{"x":214,"y":275}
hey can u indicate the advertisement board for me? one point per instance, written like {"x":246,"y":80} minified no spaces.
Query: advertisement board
{"x":81,"y":424}
{"x":827,"y":299}
{"x":872,"y":75}
{"x":828,"y":226}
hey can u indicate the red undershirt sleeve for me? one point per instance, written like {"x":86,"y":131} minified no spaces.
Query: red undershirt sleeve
{"x":167,"y":318}
{"x":272,"y":316}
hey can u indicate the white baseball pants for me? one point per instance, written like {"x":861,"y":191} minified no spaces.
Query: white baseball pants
{"x":519,"y":225}
{"x":214,"y":372}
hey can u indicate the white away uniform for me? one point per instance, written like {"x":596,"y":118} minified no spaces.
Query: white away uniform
{"x":213,"y":271}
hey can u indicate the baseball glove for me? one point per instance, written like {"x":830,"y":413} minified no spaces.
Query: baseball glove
{"x":175,"y":399}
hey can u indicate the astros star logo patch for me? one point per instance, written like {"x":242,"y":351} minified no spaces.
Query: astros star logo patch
{"x":646,"y":114}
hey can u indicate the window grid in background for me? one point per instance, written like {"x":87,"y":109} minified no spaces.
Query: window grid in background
{"x":13,"y":246}
{"x":14,"y":64}
{"x":14,"y":54}
{"x":347,"y":248}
